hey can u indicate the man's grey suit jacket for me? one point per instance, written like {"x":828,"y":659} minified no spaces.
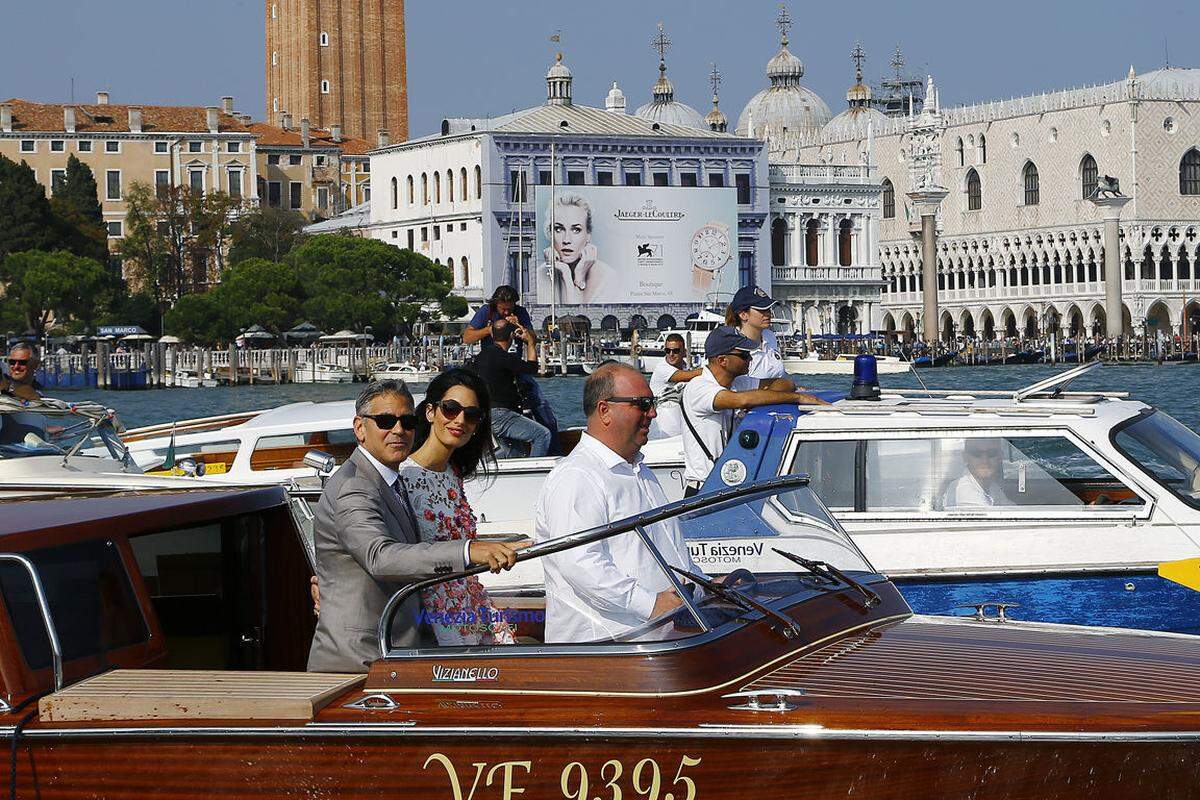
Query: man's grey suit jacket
{"x":368,"y":547}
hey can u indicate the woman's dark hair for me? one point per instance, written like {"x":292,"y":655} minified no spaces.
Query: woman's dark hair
{"x":478,"y":455}
{"x":503,"y":294}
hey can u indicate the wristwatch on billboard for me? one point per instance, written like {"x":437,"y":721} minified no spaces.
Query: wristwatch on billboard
{"x":711,"y":250}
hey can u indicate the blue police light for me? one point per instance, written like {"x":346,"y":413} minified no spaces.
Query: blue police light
{"x":866,"y":378}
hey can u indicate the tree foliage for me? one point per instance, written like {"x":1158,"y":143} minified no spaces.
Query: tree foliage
{"x":52,"y":285}
{"x":335,"y":281}
{"x":26,"y":221}
{"x":269,"y":233}
{"x":78,"y":214}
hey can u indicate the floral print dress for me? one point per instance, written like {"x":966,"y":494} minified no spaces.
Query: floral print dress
{"x":460,"y":612}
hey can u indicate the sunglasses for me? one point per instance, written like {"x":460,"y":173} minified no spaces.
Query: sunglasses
{"x":452,"y":408}
{"x":385,"y":422}
{"x":739,"y":353}
{"x":671,"y":350}
{"x":18,"y":362}
{"x":644,"y":403}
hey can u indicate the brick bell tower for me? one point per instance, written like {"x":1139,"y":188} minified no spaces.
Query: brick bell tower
{"x":338,"y":62}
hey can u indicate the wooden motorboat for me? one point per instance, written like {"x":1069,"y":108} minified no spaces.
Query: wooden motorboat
{"x":809,"y":679}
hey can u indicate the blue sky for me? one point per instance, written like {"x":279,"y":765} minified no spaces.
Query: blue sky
{"x":483,"y":57}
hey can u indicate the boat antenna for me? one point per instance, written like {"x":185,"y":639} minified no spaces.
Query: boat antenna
{"x":913,"y":369}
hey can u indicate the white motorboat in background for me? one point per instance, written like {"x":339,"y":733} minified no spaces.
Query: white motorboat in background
{"x":842,"y":364}
{"x":412,"y":374}
{"x":324,"y":373}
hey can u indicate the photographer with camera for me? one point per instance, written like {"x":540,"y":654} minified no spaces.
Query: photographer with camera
{"x":501,"y":371}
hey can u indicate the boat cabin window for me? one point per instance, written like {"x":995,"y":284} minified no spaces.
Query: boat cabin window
{"x":1165,"y":449}
{"x":91,"y":601}
{"x":286,"y":451}
{"x":960,"y":474}
{"x":600,"y":588}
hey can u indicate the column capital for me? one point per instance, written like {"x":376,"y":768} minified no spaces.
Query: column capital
{"x":928,"y":199}
{"x":1110,"y":207}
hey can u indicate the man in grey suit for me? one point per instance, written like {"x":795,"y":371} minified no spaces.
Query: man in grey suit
{"x":367,"y":543}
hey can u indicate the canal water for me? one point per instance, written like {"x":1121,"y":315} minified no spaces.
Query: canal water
{"x":1173,"y":388}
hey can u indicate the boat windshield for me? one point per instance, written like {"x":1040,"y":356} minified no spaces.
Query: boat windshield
{"x":52,"y":427}
{"x":1166,"y":449}
{"x":635,"y":581}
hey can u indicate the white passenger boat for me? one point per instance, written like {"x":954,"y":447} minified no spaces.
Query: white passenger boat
{"x":189,"y":379}
{"x":841,"y":364}
{"x":1095,"y":491}
{"x":415,"y":375}
{"x":321,"y":373}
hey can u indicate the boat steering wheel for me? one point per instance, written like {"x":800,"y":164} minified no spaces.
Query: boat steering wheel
{"x":739,"y":577}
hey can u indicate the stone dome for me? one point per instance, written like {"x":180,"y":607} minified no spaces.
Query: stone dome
{"x":664,"y":108}
{"x":558,"y":69}
{"x":786,"y":104}
{"x":852,"y":124}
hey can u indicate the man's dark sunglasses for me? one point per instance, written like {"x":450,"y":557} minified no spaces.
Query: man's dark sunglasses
{"x":385,"y":422}
{"x":644,"y":403}
{"x":742,"y":354}
{"x":452,"y":408}
{"x":18,"y":362}
{"x":674,"y":350}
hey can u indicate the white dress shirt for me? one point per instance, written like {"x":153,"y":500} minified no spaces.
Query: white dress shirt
{"x":968,"y":492}
{"x":390,"y":477}
{"x":608,"y":587}
{"x":712,"y":425}
{"x":766,"y":361}
{"x":668,"y":421}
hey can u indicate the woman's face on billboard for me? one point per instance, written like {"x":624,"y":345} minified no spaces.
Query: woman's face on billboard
{"x":570,"y":232}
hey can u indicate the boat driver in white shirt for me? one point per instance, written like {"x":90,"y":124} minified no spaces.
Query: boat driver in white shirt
{"x":750,"y":313}
{"x":980,"y":486}
{"x":614,"y":585}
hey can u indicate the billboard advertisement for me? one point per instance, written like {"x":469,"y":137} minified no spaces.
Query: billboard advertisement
{"x":635,"y":244}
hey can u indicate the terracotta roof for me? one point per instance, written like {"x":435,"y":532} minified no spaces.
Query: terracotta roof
{"x":91,"y":118}
{"x":273,"y":136}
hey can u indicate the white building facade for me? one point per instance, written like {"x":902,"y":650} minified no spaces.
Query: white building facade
{"x":1020,"y":247}
{"x":464,"y":196}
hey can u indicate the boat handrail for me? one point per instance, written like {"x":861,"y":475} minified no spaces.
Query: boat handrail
{"x":568,"y":541}
{"x":191,"y":425}
{"x":43,"y":609}
{"x":1000,"y":393}
{"x":945,"y":409}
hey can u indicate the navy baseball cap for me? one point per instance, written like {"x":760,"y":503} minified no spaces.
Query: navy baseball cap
{"x":751,"y":297}
{"x":726,"y":339}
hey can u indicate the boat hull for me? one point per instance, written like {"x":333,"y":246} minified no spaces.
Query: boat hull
{"x":784,"y":761}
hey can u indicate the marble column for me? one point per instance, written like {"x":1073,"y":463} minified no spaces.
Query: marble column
{"x":927,"y":202}
{"x":1114,"y":271}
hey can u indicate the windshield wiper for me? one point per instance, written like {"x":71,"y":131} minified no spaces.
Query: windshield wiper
{"x":789,"y":628}
{"x":829,"y":572}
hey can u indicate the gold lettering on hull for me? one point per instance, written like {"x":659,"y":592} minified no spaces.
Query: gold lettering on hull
{"x":645,"y":780}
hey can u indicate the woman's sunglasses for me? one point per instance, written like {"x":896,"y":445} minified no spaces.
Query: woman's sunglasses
{"x":452,"y":408}
{"x":385,"y":422}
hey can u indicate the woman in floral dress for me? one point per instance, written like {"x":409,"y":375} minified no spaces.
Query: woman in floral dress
{"x":453,"y":443}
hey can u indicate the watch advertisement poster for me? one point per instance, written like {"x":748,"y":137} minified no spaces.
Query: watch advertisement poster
{"x":635,"y":244}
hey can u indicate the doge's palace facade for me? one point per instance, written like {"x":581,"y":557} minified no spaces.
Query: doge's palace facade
{"x":1019,"y":244}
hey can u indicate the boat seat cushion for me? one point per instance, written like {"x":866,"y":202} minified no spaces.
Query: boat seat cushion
{"x":146,"y":694}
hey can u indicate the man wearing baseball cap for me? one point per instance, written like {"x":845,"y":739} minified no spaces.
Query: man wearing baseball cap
{"x":709,"y":402}
{"x":750,"y":313}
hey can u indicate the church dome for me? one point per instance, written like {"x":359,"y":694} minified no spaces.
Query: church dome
{"x":853,"y":123}
{"x":786,"y":104}
{"x":858,"y":116}
{"x":664,"y":108}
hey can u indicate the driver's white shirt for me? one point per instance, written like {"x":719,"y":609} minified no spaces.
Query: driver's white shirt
{"x":608,"y":587}
{"x":968,"y":492}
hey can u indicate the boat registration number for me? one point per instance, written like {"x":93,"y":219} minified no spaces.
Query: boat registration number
{"x":643,"y":780}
